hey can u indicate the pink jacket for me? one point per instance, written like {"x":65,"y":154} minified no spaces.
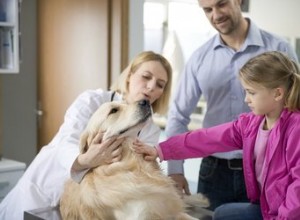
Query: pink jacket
{"x":280,"y":194}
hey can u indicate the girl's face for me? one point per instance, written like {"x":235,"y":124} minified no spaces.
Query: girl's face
{"x":263,"y":101}
{"x":147,"y":82}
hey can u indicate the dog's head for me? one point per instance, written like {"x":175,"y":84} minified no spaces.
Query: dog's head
{"x":116,"y":119}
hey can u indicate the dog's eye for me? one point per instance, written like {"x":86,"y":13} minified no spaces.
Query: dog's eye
{"x":113,"y":110}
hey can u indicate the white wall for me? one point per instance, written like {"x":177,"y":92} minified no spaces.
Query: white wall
{"x":277,"y":16}
{"x":136,"y":28}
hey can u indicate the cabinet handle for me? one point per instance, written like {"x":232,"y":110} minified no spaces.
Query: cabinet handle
{"x":19,"y":32}
{"x":39,"y":112}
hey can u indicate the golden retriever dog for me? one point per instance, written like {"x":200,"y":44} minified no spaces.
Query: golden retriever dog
{"x":131,"y":189}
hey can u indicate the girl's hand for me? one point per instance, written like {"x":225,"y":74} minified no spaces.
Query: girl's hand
{"x":150,"y":153}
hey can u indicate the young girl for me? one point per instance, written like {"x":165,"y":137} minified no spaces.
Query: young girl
{"x":148,"y":76}
{"x":269,"y":137}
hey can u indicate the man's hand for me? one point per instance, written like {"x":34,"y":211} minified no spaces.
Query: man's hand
{"x":181,"y":184}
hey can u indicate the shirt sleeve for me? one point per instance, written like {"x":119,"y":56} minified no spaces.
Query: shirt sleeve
{"x":77,"y":176}
{"x":183,"y":104}
{"x":287,"y":48}
{"x":75,"y":121}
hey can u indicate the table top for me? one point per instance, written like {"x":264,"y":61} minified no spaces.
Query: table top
{"x":54,"y":214}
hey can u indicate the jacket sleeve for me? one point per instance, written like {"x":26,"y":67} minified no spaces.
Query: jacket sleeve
{"x":203,"y":142}
{"x":290,"y":207}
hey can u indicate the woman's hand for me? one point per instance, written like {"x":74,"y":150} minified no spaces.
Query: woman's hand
{"x":150,"y":153}
{"x":99,"y":153}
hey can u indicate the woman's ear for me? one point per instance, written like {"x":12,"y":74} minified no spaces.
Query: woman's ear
{"x":279,"y":94}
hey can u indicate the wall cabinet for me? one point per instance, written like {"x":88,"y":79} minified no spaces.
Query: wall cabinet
{"x":9,"y":36}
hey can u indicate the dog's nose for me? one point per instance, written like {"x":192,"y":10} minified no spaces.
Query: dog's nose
{"x":144,"y":103}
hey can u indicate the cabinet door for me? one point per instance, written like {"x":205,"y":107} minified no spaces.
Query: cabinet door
{"x":9,"y":36}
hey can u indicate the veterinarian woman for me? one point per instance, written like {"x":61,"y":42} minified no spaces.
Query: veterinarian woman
{"x":148,"y":76}
{"x":269,"y":137}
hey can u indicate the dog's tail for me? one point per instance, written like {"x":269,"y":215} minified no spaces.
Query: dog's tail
{"x":196,"y":205}
{"x":196,"y":200}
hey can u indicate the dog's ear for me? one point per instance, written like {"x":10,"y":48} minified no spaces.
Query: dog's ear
{"x":108,"y":134}
{"x":85,"y":141}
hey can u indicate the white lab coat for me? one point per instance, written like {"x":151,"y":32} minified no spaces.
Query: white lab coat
{"x":42,"y":183}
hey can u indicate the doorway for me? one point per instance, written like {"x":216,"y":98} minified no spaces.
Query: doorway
{"x":79,"y":43}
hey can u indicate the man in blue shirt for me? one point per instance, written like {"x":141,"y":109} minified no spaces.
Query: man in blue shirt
{"x":212,"y":72}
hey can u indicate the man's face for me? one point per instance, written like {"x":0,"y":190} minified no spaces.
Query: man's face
{"x":224,"y":15}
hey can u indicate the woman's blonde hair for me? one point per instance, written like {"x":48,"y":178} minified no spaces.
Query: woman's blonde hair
{"x":272,"y":70}
{"x":121,"y":86}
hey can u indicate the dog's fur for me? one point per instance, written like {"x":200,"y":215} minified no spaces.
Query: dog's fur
{"x":133,"y":188}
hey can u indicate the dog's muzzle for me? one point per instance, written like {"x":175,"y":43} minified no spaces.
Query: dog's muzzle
{"x":145,"y":108}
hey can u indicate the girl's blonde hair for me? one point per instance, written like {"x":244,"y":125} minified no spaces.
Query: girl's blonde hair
{"x":121,"y":86}
{"x":272,"y":70}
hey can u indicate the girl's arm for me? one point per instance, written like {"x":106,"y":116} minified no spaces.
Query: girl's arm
{"x":197,"y":143}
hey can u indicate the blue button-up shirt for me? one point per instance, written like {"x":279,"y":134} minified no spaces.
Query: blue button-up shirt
{"x":212,"y":72}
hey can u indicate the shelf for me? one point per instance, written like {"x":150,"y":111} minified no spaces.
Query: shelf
{"x":7,"y":24}
{"x":9,"y":36}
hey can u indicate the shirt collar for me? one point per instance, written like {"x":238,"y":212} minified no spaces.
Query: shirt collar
{"x":253,"y":38}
